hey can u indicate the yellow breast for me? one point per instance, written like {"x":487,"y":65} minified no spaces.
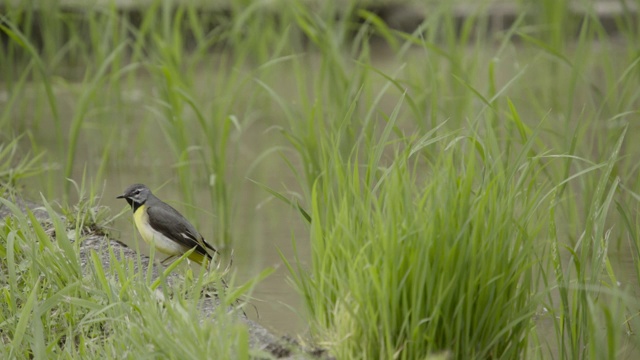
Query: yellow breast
{"x":152,"y":236}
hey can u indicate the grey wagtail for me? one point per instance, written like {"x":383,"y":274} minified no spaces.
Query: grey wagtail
{"x":164,"y":227}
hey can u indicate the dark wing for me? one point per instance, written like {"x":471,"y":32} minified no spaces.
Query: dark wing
{"x":170,"y":223}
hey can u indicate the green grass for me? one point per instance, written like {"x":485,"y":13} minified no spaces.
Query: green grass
{"x":465,"y":193}
{"x":447,"y":256}
{"x":54,"y":308}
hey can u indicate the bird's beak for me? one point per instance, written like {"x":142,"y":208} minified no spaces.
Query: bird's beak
{"x":121,"y":197}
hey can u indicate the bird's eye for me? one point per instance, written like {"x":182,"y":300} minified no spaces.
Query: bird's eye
{"x":136,"y":192}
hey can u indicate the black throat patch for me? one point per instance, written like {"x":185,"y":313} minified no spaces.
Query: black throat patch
{"x":134,"y":205}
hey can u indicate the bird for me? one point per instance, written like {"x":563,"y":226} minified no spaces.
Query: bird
{"x":162,"y":226}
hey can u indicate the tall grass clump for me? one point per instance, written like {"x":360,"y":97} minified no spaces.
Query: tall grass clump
{"x":412,"y":257}
{"x":582,"y":289}
{"x":430,"y":245}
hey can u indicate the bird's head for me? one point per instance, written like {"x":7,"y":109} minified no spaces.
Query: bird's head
{"x":136,"y":195}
